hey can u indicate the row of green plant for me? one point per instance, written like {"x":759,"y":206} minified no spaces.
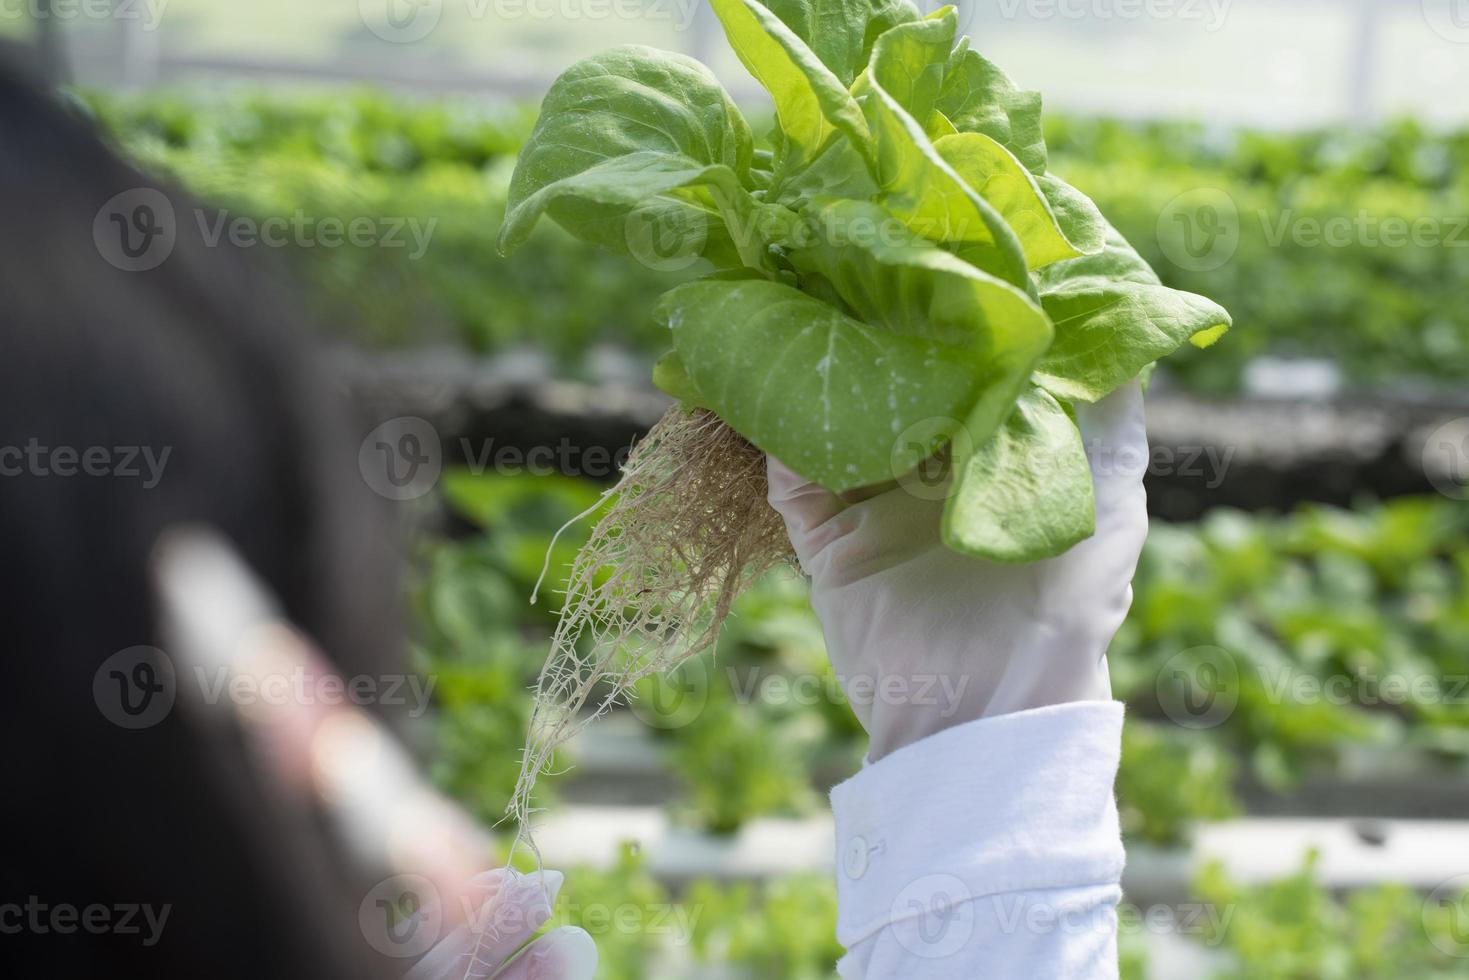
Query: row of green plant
{"x":1288,"y":929}
{"x":783,"y":927}
{"x":373,"y":131}
{"x":1296,"y":638}
{"x":1268,"y":646}
{"x":359,"y":131}
{"x":1402,"y":151}
{"x":1344,"y":244}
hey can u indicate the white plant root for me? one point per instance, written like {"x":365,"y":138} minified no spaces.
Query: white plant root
{"x":688,"y":529}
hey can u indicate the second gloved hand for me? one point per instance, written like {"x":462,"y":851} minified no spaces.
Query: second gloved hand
{"x":514,"y":906}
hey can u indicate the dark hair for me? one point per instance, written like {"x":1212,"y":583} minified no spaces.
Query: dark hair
{"x":203,"y":357}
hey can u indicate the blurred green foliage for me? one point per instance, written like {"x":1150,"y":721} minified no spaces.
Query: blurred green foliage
{"x":1317,"y":593}
{"x":1169,"y":779}
{"x":784,"y":928}
{"x":1386,"y":312}
{"x":440,"y":168}
{"x":1325,"y":628}
{"x":1292,"y":928}
{"x":629,"y":915}
{"x":1336,"y":628}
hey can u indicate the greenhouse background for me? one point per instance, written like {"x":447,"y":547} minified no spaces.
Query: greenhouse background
{"x":1295,"y":780}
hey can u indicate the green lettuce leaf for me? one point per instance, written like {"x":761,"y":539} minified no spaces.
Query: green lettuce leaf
{"x":1113,"y":317}
{"x":925,"y":193}
{"x":999,"y":178}
{"x":704,"y":209}
{"x":665,"y":112}
{"x":842,"y":32}
{"x":914,"y":56}
{"x":1078,"y":218}
{"x":811,"y":104}
{"x":672,"y":378}
{"x":826,"y":394}
{"x":874,"y":268}
{"x":980,"y":98}
{"x":1025,"y":493}
{"x":900,"y":279}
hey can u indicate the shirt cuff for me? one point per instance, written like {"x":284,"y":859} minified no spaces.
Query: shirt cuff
{"x":1016,"y":802}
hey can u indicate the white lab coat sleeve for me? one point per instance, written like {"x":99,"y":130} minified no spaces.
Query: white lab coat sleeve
{"x":990,"y":849}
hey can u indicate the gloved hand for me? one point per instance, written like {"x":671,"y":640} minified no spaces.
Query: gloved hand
{"x":514,"y":907}
{"x":923,"y":638}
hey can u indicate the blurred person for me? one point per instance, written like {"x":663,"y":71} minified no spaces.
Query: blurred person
{"x":139,"y":398}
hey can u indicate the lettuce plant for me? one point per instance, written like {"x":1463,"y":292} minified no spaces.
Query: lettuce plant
{"x":896,"y":282}
{"x":899,"y":274}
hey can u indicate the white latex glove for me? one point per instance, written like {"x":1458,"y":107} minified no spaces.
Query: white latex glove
{"x":923,"y":638}
{"x":514,"y":907}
